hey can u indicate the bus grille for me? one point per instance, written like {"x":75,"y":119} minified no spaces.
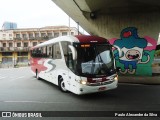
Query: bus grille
{"x":100,"y":83}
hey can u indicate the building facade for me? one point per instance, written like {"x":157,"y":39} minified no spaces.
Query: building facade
{"x":15,"y":44}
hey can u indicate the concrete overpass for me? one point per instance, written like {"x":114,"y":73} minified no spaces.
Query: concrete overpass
{"x":108,"y":17}
{"x":135,"y":21}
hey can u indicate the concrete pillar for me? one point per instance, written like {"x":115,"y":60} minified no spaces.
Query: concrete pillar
{"x":15,"y":57}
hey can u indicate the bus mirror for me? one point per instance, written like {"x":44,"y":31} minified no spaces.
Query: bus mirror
{"x":74,"y":52}
{"x":118,"y":69}
{"x":119,"y":50}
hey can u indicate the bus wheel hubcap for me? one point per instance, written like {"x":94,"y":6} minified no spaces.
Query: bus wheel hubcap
{"x":63,"y":86}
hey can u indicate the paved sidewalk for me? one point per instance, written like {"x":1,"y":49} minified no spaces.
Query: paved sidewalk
{"x":140,"y":79}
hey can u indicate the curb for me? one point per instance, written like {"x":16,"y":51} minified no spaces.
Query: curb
{"x":152,"y":80}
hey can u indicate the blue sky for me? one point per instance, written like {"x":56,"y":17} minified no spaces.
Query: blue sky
{"x":33,"y":13}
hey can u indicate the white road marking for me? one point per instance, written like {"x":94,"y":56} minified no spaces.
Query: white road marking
{"x":133,"y":84}
{"x":31,"y":102}
{"x":2,"y":77}
{"x":18,"y":78}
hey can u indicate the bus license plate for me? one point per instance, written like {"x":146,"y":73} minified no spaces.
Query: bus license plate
{"x":102,"y":88}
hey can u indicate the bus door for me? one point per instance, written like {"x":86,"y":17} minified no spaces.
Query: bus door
{"x":50,"y":64}
{"x":69,"y":63}
{"x":54,"y":57}
{"x":71,"y":75}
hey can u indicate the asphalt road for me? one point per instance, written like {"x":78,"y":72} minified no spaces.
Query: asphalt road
{"x":20,"y":91}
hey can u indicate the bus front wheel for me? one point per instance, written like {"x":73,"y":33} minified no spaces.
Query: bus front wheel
{"x":62,"y":85}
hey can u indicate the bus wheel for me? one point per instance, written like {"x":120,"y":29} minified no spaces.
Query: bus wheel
{"x":37,"y":76}
{"x":62,"y":85}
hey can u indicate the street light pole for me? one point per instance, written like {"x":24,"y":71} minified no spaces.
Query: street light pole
{"x":69,"y":26}
{"x":14,"y":58}
{"x":78,"y":27}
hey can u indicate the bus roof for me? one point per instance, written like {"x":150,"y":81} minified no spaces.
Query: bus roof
{"x":77,"y":38}
{"x":88,"y":39}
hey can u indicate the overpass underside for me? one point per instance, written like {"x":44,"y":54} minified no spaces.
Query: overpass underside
{"x":133,"y":25}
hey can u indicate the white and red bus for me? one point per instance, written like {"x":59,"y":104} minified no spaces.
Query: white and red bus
{"x":80,"y":64}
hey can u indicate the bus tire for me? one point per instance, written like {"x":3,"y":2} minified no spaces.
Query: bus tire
{"x":37,"y":75}
{"x":62,"y":85}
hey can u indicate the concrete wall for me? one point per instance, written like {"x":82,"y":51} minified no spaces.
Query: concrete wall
{"x":110,"y":26}
{"x":143,"y":27}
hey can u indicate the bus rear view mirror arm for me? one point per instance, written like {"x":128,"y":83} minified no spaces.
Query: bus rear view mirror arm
{"x":74,"y":52}
{"x":119,"y":50}
{"x":118,"y":69}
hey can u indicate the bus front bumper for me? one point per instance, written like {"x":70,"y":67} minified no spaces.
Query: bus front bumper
{"x":86,"y":89}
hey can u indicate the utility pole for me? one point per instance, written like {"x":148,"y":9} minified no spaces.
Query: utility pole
{"x":78,"y":27}
{"x":69,"y":26}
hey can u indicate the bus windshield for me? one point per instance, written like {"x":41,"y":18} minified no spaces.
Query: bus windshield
{"x":94,"y":60}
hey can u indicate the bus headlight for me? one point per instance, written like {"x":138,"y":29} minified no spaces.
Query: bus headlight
{"x":83,"y":82}
{"x":116,"y":77}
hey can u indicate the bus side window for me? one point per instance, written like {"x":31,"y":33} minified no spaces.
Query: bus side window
{"x":70,"y":62}
{"x":67,"y":55}
{"x":32,"y":53}
{"x":49,"y":52}
{"x":65,"y":49}
{"x":44,"y":52}
{"x":37,"y":52}
{"x":56,"y":51}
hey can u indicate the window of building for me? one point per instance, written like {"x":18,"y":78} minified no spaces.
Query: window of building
{"x":25,"y":44}
{"x":30,"y":35}
{"x":4,"y":35}
{"x":6,"y":53}
{"x":34,"y":43}
{"x":56,"y":34}
{"x":22,"y":60}
{"x":17,"y":35}
{"x":4,"y":44}
{"x":36,"y":35}
{"x":10,"y":35}
{"x":64,"y":33}
{"x":10,"y":44}
{"x":22,"y":53}
{"x":24,"y":36}
{"x":18,"y":44}
{"x":43,"y":34}
{"x":7,"y":60}
{"x":50,"y":35}
{"x":72,"y":33}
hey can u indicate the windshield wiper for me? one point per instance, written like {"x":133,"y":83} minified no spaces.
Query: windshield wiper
{"x":93,"y":65}
{"x":105,"y":69}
